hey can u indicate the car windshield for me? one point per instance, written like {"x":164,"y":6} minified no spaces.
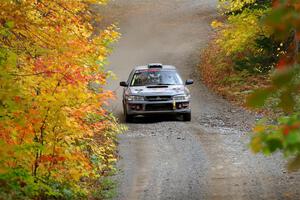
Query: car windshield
{"x":155,"y":77}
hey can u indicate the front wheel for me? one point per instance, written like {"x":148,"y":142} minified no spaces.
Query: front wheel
{"x":187,"y":117}
{"x":128,"y":118}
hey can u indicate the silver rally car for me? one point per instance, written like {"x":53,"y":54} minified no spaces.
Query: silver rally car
{"x":156,"y":89}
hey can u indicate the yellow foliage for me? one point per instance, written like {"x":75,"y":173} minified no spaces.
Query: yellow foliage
{"x":256,"y":144}
{"x":259,"y":128}
{"x":52,"y":95}
{"x":216,"y":24}
{"x":234,"y":5}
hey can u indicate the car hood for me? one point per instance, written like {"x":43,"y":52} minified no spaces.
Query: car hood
{"x":170,"y":90}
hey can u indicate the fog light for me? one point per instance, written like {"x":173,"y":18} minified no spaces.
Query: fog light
{"x":136,"y":107}
{"x":132,"y":107}
{"x":185,"y":105}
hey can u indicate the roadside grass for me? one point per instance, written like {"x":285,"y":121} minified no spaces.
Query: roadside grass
{"x":107,"y":189}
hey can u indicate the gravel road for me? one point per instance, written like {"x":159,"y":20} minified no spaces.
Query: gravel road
{"x":206,"y":158}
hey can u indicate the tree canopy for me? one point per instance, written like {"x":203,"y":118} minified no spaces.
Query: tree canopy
{"x":55,"y":135}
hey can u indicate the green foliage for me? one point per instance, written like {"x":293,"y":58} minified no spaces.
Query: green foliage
{"x":263,"y":37}
{"x":244,"y":38}
{"x":284,"y":86}
{"x":263,"y":59}
{"x":284,"y":133}
{"x":106,"y":190}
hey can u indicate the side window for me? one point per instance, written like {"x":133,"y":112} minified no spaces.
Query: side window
{"x":139,"y":79}
{"x":130,"y":77}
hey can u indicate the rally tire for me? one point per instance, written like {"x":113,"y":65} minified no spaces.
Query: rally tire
{"x":187,"y":117}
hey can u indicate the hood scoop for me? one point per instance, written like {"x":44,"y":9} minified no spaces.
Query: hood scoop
{"x":157,"y":86}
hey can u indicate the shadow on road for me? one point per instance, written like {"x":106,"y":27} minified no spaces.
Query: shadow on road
{"x":154,"y":119}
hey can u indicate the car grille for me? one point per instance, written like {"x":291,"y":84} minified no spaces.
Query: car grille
{"x":159,"y":107}
{"x":158,"y":98}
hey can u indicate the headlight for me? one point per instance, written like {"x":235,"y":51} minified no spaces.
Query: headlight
{"x":181,"y":97}
{"x":135,"y":98}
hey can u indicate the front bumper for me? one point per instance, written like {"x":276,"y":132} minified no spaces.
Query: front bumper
{"x":157,"y":107}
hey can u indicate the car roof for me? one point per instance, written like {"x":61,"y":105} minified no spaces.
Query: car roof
{"x":152,"y":65}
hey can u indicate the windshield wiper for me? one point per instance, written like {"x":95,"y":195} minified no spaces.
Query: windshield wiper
{"x":165,"y":84}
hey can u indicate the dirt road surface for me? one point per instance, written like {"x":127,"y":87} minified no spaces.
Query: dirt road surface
{"x":206,"y":158}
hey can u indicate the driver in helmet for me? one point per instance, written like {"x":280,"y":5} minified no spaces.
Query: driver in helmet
{"x":154,"y":77}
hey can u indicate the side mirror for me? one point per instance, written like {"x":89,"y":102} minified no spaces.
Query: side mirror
{"x":123,"y":84}
{"x":189,"y":82}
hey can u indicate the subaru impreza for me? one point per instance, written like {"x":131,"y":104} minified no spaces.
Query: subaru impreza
{"x":156,"y":89}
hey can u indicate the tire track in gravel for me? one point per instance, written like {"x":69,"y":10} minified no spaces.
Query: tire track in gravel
{"x":141,"y":177}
